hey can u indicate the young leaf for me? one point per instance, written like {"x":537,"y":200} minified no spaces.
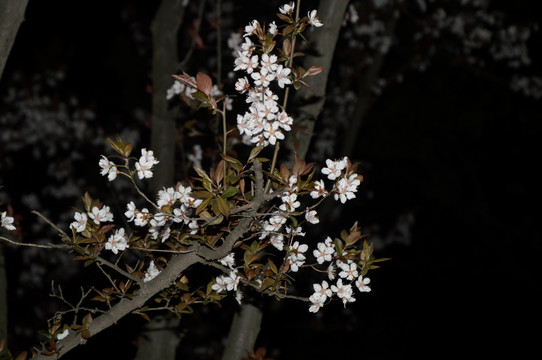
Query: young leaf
{"x":204,"y":83}
{"x":313,"y":70}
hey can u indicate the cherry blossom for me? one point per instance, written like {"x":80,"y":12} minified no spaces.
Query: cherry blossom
{"x":117,"y":242}
{"x":80,"y":222}
{"x":108,"y":168}
{"x":334,"y":168}
{"x":343,"y":291}
{"x":7,"y":221}
{"x":151,"y":273}
{"x":349,"y":270}
{"x":313,"y":18}
{"x":319,"y":189}
{"x":131,"y":211}
{"x":323,"y":252}
{"x":362,"y":284}
{"x":100,"y":215}
{"x":282,"y":76}
{"x":228,"y":260}
{"x":145,"y":164}
{"x":311,"y":216}
{"x":316,"y":303}
{"x":322,"y":291}
{"x":289,"y":203}
{"x":287,"y":8}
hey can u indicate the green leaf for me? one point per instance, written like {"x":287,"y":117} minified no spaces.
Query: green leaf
{"x":254,"y":152}
{"x":198,"y":95}
{"x":339,"y":246}
{"x":223,"y":206}
{"x":284,"y":18}
{"x":87,"y":201}
{"x":231,"y":160}
{"x":229,"y":192}
{"x":272,"y":266}
{"x":87,"y":320}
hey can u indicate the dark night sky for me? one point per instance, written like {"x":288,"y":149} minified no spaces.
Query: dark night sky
{"x":458,"y":151}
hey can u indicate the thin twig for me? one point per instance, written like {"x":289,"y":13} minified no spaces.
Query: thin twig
{"x":62,"y":232}
{"x":48,"y":246}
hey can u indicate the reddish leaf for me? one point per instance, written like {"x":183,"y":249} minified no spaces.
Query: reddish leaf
{"x":204,"y":83}
{"x":186,"y":80}
{"x":313,"y":70}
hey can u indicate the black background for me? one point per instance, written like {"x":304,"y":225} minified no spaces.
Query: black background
{"x":459,"y":151}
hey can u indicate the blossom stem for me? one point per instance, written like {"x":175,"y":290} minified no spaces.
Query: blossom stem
{"x":225,"y":142}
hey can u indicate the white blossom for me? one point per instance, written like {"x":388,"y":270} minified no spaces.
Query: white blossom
{"x":323,"y":252}
{"x":117,"y":242}
{"x":63,"y":334}
{"x":319,"y":189}
{"x":311,"y":216}
{"x":287,"y":8}
{"x":228,"y":260}
{"x":362,"y":284}
{"x":80,"y":222}
{"x":220,"y":284}
{"x":282,"y":76}
{"x":316,"y":303}
{"x":349,"y":270}
{"x":108,"y":168}
{"x":7,"y":221}
{"x":101,"y":215}
{"x":313,"y":18}
{"x":334,"y":168}
{"x":151,"y":273}
{"x":344,"y":292}
{"x":130,"y":212}
{"x":322,"y":291}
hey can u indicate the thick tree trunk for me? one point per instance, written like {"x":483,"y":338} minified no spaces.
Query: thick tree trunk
{"x":323,"y":41}
{"x":11,"y":17}
{"x":160,"y":338}
{"x":243,"y":332}
{"x":165,"y":28}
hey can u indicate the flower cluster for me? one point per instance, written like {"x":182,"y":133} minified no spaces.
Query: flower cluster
{"x":346,"y":180}
{"x":265,"y":121}
{"x":97,"y":214}
{"x":350,"y":273}
{"x":145,"y":164}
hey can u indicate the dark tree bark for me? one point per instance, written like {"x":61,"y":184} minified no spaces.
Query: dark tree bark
{"x":165,"y":28}
{"x":243,"y":332}
{"x":323,"y":41}
{"x":160,"y":338}
{"x":11,"y":17}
